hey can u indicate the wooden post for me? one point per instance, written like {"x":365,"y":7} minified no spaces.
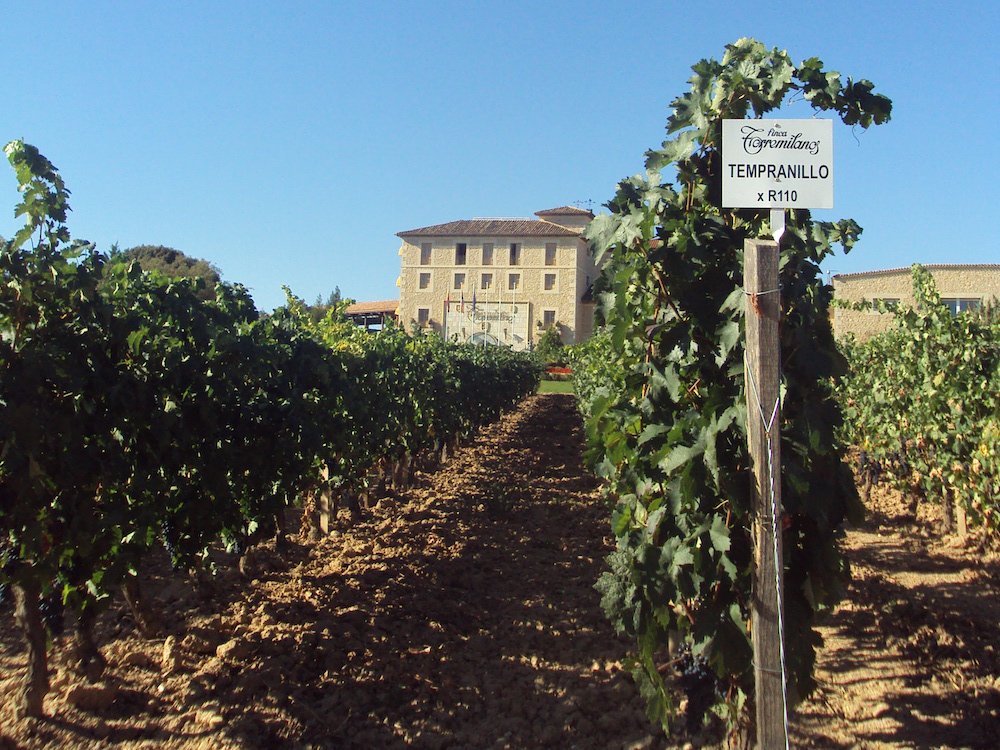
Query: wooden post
{"x":760,"y":281}
{"x":323,"y":501}
{"x":961,"y":519}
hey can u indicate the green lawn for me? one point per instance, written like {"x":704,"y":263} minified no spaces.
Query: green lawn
{"x":555,"y":386}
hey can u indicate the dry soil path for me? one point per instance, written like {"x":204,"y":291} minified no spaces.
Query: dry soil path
{"x":912,"y":657}
{"x":459,"y":614}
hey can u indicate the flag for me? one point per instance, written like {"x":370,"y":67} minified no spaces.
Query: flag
{"x":473,"y":300}
{"x":461,"y":303}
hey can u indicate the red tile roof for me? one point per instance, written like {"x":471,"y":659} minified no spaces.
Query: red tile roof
{"x":565,"y":211}
{"x":492,"y":228}
{"x":387,"y":306}
{"x":928,"y":266}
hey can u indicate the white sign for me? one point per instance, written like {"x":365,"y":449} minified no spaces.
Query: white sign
{"x":501,"y":323}
{"x":777,"y":164}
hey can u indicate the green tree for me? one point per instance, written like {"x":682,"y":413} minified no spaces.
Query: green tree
{"x":173,"y":264}
{"x":549,"y":348}
{"x":334,"y":302}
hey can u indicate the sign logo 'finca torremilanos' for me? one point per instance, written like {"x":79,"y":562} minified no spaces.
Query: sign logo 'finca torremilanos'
{"x":756,"y":139}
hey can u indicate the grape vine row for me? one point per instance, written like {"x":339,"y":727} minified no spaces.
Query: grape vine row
{"x":133,"y":413}
{"x":922,"y":403}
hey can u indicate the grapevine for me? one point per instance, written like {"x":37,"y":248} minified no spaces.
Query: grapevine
{"x":669,"y":433}
{"x":922,"y":402}
{"x":135,"y":413}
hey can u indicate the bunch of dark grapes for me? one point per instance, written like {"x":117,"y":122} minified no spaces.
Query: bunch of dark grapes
{"x":699,"y":684}
{"x":3,"y":593}
{"x":52,"y":610}
{"x":899,"y":462}
{"x":869,"y":467}
{"x":168,"y":543}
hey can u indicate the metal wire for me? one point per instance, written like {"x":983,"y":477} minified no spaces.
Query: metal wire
{"x":768,"y":423}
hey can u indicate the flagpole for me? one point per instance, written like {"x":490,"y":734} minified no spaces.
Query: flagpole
{"x":512,"y":293}
{"x":506,"y":331}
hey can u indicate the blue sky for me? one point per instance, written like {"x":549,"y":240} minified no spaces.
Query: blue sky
{"x":288,"y":142}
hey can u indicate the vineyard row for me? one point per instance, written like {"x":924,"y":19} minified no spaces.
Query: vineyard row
{"x":133,"y":413}
{"x":922,"y":402}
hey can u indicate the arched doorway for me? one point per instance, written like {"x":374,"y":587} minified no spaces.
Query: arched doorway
{"x":482,"y":338}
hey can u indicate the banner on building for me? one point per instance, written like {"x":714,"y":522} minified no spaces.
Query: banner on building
{"x":502,"y":323}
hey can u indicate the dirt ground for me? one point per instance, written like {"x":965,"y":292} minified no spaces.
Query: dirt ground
{"x":912,"y":656}
{"x":462,"y":614}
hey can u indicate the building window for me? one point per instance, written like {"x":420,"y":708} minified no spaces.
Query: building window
{"x":487,"y":253}
{"x":550,"y":253}
{"x":459,"y":280}
{"x":961,"y":304}
{"x":487,"y":281}
{"x":423,"y":316}
{"x":461,"y":251}
{"x":515,"y":254}
{"x":548,"y":318}
{"x":550,"y":282}
{"x":425,"y":281}
{"x":513,"y":281}
{"x":425,"y":254}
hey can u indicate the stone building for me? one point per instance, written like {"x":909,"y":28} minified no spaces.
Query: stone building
{"x":500,"y":280}
{"x":962,"y":287}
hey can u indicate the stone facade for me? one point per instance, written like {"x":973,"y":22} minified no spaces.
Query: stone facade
{"x":961,"y":286}
{"x":502,"y":280}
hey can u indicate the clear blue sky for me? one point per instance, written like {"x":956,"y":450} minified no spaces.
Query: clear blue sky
{"x":287,"y":142}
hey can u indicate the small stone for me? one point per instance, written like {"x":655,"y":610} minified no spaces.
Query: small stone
{"x":213,"y":623}
{"x":197,"y":644}
{"x":234,"y":649}
{"x":91,"y":697}
{"x":138,"y":659}
{"x":644,"y":744}
{"x":212,"y":634}
{"x":264,"y":620}
{"x":171,"y":660}
{"x":209,"y":719}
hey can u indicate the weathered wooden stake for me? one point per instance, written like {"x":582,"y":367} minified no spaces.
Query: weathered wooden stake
{"x":961,"y":519}
{"x":323,"y":502}
{"x":760,"y":281}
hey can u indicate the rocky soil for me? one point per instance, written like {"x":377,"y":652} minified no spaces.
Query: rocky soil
{"x":912,"y":656}
{"x":462,"y":614}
